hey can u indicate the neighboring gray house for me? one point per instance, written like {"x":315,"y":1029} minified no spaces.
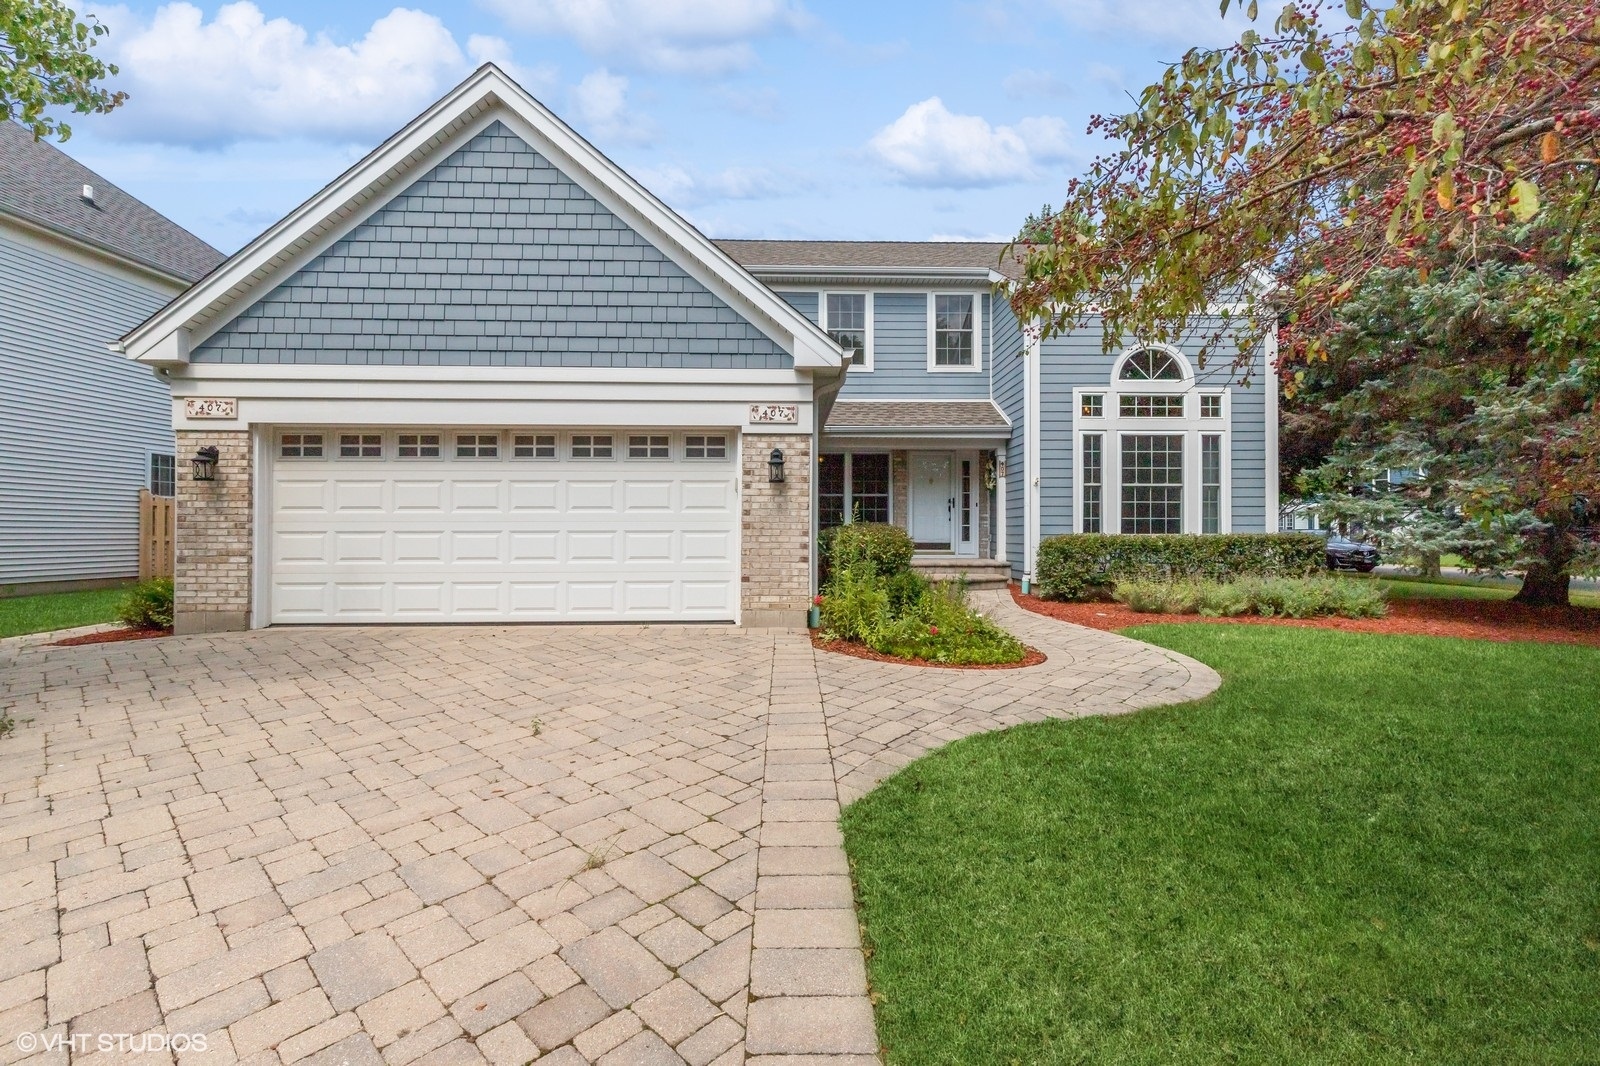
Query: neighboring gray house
{"x":82,"y":430}
{"x":487,"y":376}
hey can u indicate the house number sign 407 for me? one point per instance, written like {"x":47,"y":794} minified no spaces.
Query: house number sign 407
{"x":769,"y":413}
{"x":210,"y":407}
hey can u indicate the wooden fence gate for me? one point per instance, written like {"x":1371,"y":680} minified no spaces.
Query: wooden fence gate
{"x":155,"y":535}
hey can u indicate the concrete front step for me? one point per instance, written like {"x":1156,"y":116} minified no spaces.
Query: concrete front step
{"x":979,"y":573}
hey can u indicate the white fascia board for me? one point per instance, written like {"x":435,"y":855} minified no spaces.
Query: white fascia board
{"x":492,"y":412}
{"x":805,"y":278}
{"x":846,"y":437}
{"x":484,"y":96}
{"x":446,"y":375}
{"x":353,"y":390}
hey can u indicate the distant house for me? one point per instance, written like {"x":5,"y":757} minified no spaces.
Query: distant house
{"x":82,"y":429}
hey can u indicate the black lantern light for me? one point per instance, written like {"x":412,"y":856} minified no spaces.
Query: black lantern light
{"x":775,"y":466}
{"x":205,"y":463}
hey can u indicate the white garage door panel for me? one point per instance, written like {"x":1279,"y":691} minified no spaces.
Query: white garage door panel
{"x":363,"y":541}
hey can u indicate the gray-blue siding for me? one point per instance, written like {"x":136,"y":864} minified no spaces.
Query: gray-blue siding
{"x":1075,"y":360}
{"x":493,"y":258}
{"x":1009,"y":372}
{"x":77,"y":422}
{"x":900,"y":351}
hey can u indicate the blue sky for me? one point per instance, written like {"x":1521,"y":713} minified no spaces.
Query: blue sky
{"x":754,"y":118}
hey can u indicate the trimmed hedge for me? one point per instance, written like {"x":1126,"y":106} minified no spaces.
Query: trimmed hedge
{"x":886,"y":549}
{"x":1083,"y":566}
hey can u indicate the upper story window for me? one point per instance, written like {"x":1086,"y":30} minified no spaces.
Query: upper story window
{"x":848,"y":320}
{"x":954,"y":341}
{"x":1152,"y":364}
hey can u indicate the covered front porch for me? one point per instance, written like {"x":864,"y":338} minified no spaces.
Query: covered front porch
{"x":929,"y":467}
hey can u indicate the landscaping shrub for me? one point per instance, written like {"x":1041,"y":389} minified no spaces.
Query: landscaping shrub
{"x":886,"y":549}
{"x":1280,"y":597}
{"x":903,"y":615}
{"x":1082,"y":566}
{"x":148,"y":605}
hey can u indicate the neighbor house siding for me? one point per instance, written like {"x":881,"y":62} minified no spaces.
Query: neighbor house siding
{"x":1009,"y":374}
{"x":77,"y":422}
{"x":493,"y":258}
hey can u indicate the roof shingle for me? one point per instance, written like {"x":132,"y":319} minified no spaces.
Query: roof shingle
{"x":916,"y":414}
{"x":43,"y":185}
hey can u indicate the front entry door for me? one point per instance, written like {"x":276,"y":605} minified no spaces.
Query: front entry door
{"x":932,"y":499}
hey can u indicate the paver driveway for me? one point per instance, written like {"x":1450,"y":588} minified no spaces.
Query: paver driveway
{"x":610,"y":844}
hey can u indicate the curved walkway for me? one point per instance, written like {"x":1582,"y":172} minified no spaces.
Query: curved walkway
{"x":575,"y":844}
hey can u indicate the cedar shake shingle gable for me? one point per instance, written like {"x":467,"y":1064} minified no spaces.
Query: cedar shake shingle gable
{"x":42,"y":185}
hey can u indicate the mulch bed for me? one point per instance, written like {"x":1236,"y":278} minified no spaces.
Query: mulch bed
{"x":845,"y":647}
{"x":1473,"y":619}
{"x":111,"y":636}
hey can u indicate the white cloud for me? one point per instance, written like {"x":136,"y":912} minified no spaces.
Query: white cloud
{"x":242,"y":76}
{"x":1177,"y":22}
{"x":704,"y":37}
{"x":980,"y":238}
{"x":684,"y":188}
{"x":600,"y":109}
{"x":930,"y":146}
{"x":1024,"y":83}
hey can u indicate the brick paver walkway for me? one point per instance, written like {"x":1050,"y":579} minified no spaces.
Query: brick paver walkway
{"x":463,"y":845}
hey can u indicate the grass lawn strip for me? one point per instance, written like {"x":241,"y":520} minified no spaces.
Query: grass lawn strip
{"x":1362,"y":849}
{"x":20,"y":615}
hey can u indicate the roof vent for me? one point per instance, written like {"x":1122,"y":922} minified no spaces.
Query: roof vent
{"x":88,"y":195}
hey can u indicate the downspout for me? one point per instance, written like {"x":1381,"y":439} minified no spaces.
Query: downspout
{"x":1031,"y":473}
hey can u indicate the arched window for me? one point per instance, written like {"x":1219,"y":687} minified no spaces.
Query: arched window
{"x":1152,"y":364}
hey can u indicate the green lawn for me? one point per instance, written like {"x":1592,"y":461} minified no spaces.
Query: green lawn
{"x":1461,"y":588}
{"x":1362,"y":849}
{"x":58,"y":610}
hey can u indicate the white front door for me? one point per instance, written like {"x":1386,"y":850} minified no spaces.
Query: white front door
{"x":932,"y":499}
{"x":487,"y":526}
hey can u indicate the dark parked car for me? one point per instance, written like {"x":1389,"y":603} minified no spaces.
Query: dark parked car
{"x":1347,"y":554}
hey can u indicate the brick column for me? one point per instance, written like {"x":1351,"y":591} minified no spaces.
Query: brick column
{"x":211,"y":582}
{"x":776,"y":564}
{"x":900,"y":489}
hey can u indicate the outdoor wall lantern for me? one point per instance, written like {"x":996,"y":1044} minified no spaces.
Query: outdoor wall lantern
{"x":775,"y":466}
{"x":205,"y":464}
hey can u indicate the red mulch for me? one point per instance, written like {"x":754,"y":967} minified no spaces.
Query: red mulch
{"x":111,"y":636}
{"x":845,"y":647}
{"x":1473,"y":619}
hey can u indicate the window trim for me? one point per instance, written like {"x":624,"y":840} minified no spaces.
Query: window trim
{"x":555,"y":447}
{"x":150,"y":472}
{"x":977,"y":334}
{"x":499,"y":455}
{"x":338,"y":446}
{"x":442,"y":434}
{"x":649,"y":444}
{"x":726,"y":446}
{"x":866,"y":365}
{"x":322,"y":436}
{"x":611,"y":437}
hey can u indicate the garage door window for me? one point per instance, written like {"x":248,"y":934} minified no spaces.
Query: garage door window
{"x":300,"y":446}
{"x":648,"y":447}
{"x":591,"y":446}
{"x":478,"y":446}
{"x":697,"y":446}
{"x":361,"y":445}
{"x":534,"y":446}
{"x":419,"y":446}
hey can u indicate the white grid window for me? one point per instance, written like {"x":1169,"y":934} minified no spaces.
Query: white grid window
{"x":1152,"y":364}
{"x":533,"y":446}
{"x":163,"y":474}
{"x":477,"y":446}
{"x":1211,"y":406}
{"x":1152,"y":483}
{"x":953,"y":331}
{"x":591,"y":445}
{"x":300,"y":446}
{"x":418,"y":446}
{"x":1210,"y":483}
{"x":1093,"y":405}
{"x":649,"y":447}
{"x":1094,"y":475}
{"x":1136,"y":406}
{"x":361,"y":445}
{"x":847,"y":323}
{"x":698,"y":446}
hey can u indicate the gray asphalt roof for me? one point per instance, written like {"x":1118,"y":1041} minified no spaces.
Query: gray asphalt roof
{"x":43,"y":185}
{"x":870,"y":255}
{"x":915,"y":414}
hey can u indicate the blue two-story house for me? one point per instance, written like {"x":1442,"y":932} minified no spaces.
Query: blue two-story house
{"x":486,"y":376}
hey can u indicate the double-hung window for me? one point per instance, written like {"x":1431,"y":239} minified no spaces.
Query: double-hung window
{"x":1152,"y":483}
{"x":954,"y":332}
{"x":848,"y":320}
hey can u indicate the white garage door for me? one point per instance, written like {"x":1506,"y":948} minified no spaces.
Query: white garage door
{"x":440,"y":525}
